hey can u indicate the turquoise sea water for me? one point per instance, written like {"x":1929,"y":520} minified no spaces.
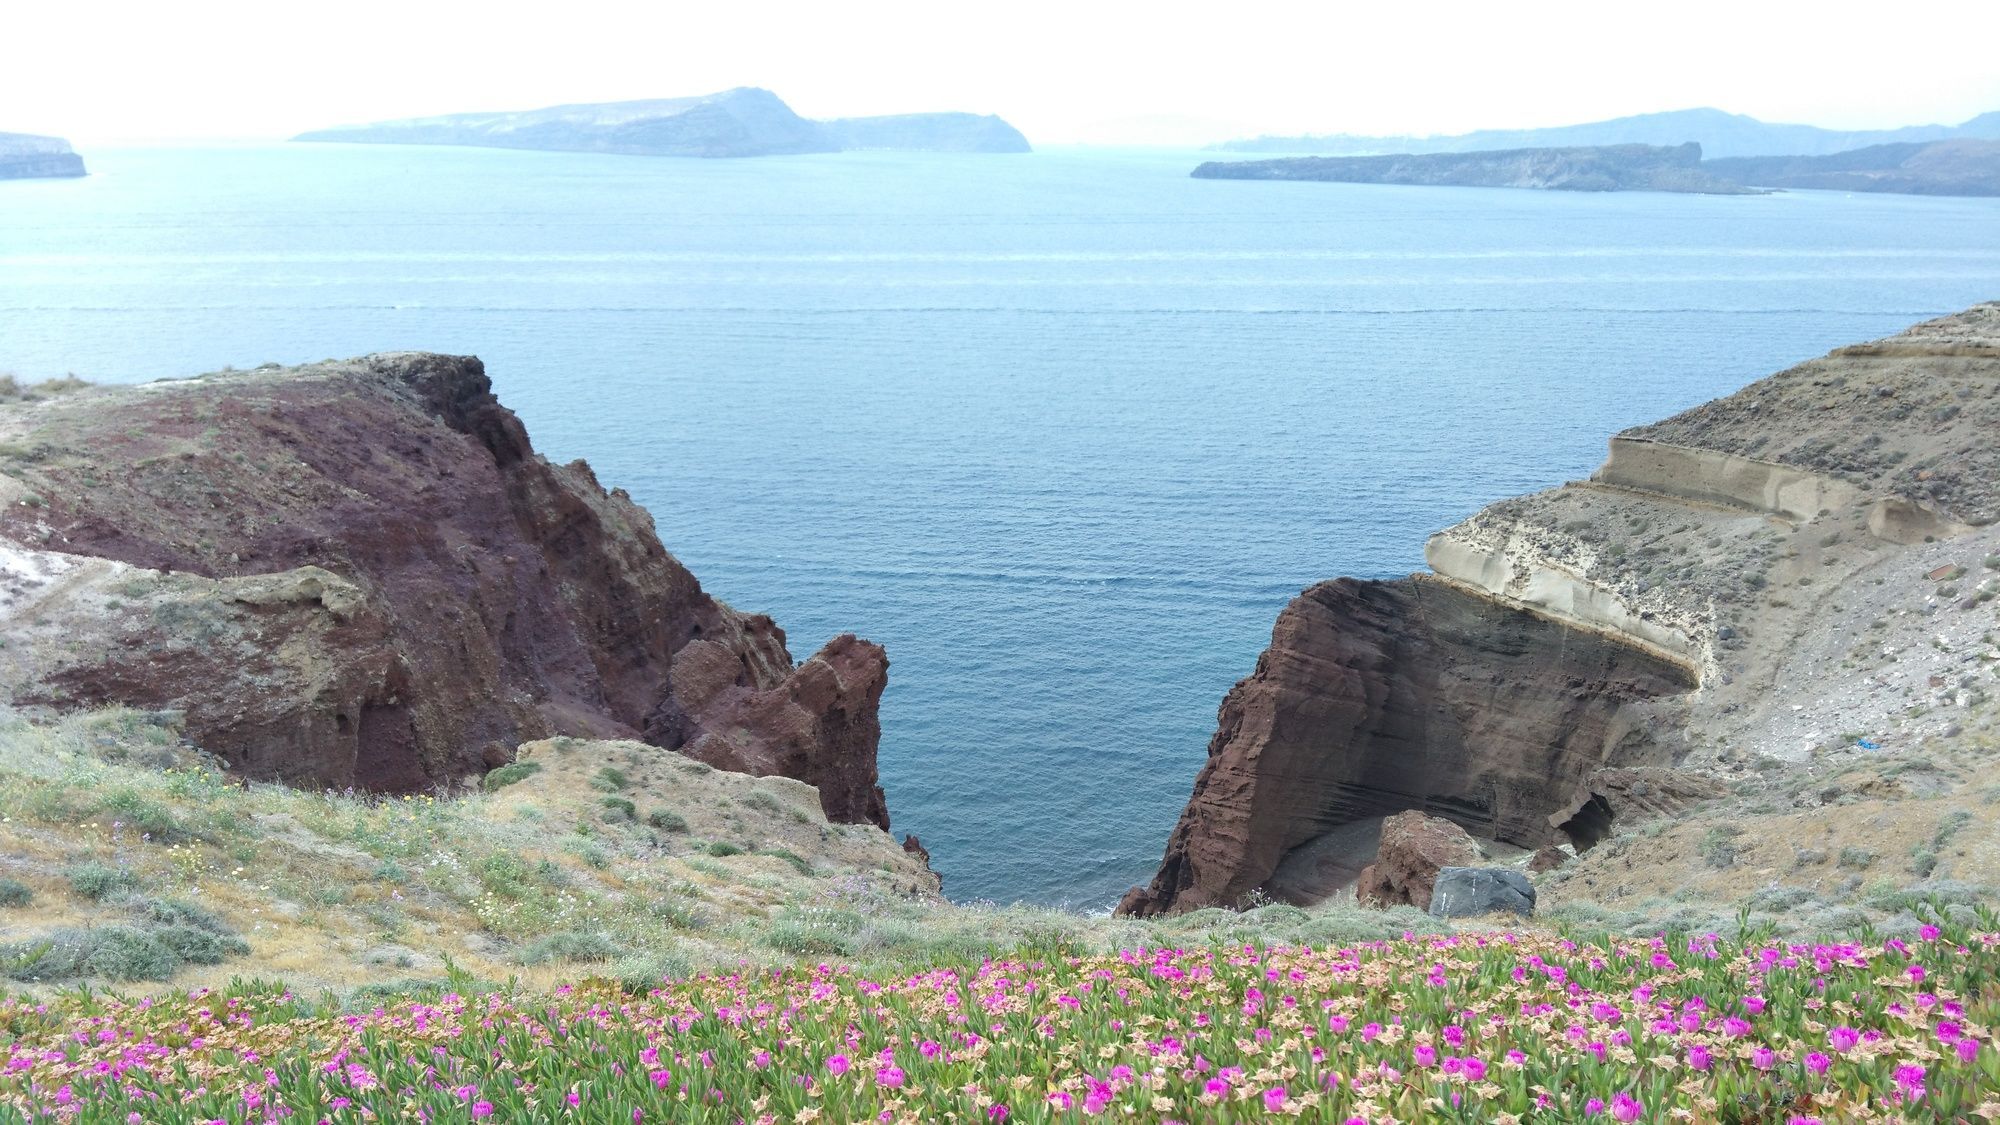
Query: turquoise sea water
{"x":1064,"y":431}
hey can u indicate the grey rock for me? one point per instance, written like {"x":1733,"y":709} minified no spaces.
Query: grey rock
{"x":1465,"y":892}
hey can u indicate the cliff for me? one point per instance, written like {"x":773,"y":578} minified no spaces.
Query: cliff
{"x":24,"y":156}
{"x":745,"y":121}
{"x":1718,"y":595}
{"x":1718,"y":133}
{"x":1608,"y":168}
{"x":926,"y":132}
{"x":1954,"y":167}
{"x":360,"y":574}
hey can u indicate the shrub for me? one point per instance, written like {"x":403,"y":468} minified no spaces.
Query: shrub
{"x":199,"y":946}
{"x":619,"y":808}
{"x":723,"y":848}
{"x":96,"y":881}
{"x":13,"y":892}
{"x":570,"y":945}
{"x":119,"y":953}
{"x":667,"y":821}
{"x":759,"y":799}
{"x":610,"y":779}
{"x":173,"y":912}
{"x":641,"y":974}
{"x":798,"y":862}
{"x":509,"y":774}
{"x":1718,"y":845}
{"x":1856,"y":859}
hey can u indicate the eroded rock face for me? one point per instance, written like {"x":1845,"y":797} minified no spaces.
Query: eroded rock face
{"x":361,"y":574}
{"x":1377,"y":697}
{"x":1414,"y":849}
{"x":1469,"y":892}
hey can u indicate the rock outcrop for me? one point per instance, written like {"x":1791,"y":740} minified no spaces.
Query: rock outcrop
{"x":361,"y":574}
{"x":1414,"y":849}
{"x":24,"y":156}
{"x":745,"y":121}
{"x":1618,"y":648}
{"x":1602,"y":168}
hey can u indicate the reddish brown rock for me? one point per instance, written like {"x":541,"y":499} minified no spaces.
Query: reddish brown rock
{"x":1376,"y":697}
{"x":361,"y":574}
{"x":1548,"y":857}
{"x":1414,"y":847}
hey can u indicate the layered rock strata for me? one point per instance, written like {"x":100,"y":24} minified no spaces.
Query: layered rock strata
{"x":1614,"y":648}
{"x":361,"y":574}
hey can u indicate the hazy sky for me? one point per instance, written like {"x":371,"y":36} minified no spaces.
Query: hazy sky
{"x":101,"y":71}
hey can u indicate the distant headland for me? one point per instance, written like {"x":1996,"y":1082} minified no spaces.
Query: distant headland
{"x":1720,"y":135}
{"x":1598,"y":168}
{"x":24,"y":156}
{"x":745,"y":121}
{"x":1951,"y":167}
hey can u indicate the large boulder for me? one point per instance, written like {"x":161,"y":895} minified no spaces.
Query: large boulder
{"x":1468,"y":892}
{"x":1415,"y":847}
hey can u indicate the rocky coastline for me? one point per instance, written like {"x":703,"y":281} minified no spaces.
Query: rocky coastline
{"x":361,"y":575}
{"x":1730,"y":592}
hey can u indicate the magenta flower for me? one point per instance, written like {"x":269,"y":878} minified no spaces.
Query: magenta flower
{"x":1818,"y":1063}
{"x":1968,"y":1050}
{"x":1625,"y":1107}
{"x":890,"y":1076}
{"x":1217,"y":1087}
{"x":838,"y":1064}
{"x":482,"y":1109}
{"x":1274,"y":1099}
{"x":1843,"y":1039}
{"x":998,"y":1111}
{"x":1699,"y":1057}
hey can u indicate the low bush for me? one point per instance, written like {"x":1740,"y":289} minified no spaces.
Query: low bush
{"x":667,"y":821}
{"x":509,"y":774}
{"x":571,"y":945}
{"x":724,"y":848}
{"x":13,"y":892}
{"x":97,"y":881}
{"x":619,"y":808}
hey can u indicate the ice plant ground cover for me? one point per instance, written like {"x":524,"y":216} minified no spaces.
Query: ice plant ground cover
{"x":1464,"y":1027}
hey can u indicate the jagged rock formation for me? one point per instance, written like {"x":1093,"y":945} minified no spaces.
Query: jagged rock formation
{"x":745,"y":121}
{"x":926,"y":132}
{"x":26,"y":156}
{"x":1469,"y":892}
{"x":1718,"y":133}
{"x":1604,"y":168}
{"x":1605,"y":650}
{"x":361,"y":574}
{"x":1955,"y":167}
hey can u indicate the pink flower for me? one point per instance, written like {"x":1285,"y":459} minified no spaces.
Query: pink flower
{"x":1910,"y":1080}
{"x":1818,"y":1063}
{"x":890,"y":1076}
{"x":482,"y":1109}
{"x":997,"y":1111}
{"x":838,"y":1064}
{"x":1625,"y":1107}
{"x":1843,"y":1039}
{"x":1274,"y":1099}
{"x":1968,"y":1050}
{"x":1061,"y":1100}
{"x":1217,"y":1087}
{"x":1699,"y":1058}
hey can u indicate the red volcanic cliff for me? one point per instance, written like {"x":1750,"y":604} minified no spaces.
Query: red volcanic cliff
{"x":362,"y":574}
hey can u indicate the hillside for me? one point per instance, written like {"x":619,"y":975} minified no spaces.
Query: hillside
{"x":1611,"y":168}
{"x":745,"y":121}
{"x":1953,"y":167}
{"x":1718,"y":133}
{"x":24,"y":156}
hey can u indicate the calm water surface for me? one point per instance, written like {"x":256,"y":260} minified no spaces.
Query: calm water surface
{"x":1063,"y":431}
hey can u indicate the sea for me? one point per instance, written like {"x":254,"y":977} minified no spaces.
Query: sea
{"x":1064,"y":431}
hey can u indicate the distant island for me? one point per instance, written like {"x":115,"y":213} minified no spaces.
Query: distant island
{"x":1954,"y":167}
{"x":1720,"y":134}
{"x":25,"y":156}
{"x":1600,"y":168}
{"x":745,"y":121}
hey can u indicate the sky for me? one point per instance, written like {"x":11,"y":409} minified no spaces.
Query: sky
{"x":1076,"y":71}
